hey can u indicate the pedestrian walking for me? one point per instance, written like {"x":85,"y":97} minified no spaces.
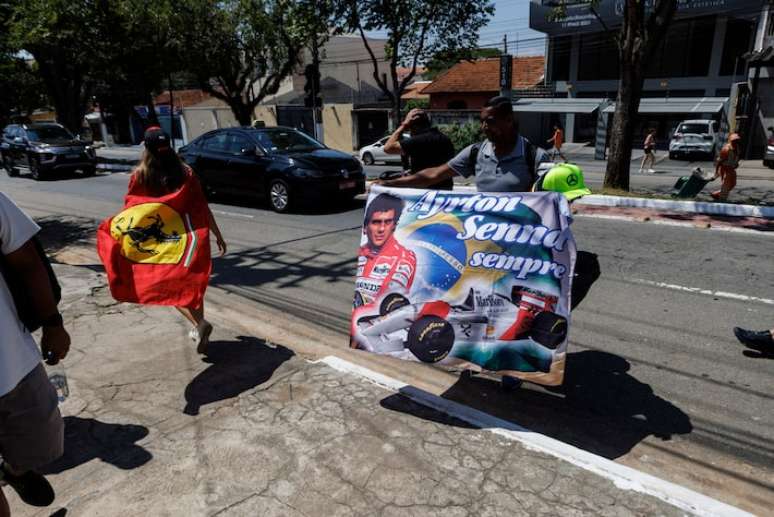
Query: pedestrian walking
{"x":649,"y":148}
{"x":504,"y":162}
{"x":725,"y":167}
{"x":426,"y":147}
{"x":31,"y":427}
{"x":556,"y":141}
{"x":761,"y":341}
{"x":157,"y":251}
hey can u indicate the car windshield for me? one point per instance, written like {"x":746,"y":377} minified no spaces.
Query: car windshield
{"x":287,"y":141}
{"x":48,"y":133}
{"x":696,"y":129}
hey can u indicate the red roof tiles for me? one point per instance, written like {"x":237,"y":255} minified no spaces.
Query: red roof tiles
{"x":483,"y":75}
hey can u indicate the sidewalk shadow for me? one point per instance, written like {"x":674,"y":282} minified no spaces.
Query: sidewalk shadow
{"x":86,"y":439}
{"x":604,"y":410}
{"x":236,"y":366}
{"x":57,"y":232}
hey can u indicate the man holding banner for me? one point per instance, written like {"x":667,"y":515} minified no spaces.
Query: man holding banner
{"x":504,"y":162}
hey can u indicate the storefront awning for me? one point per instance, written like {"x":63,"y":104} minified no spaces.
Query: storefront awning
{"x":561,"y":105}
{"x":678,"y":105}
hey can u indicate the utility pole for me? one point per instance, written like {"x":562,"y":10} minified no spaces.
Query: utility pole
{"x":505,"y":43}
{"x":316,"y":64}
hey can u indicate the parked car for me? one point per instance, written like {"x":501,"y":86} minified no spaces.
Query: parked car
{"x":280,"y":164}
{"x":373,"y":153}
{"x":694,"y":138}
{"x":45,"y":149}
{"x":768,"y":158}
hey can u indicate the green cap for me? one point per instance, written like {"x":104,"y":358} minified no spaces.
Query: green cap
{"x":567,"y":179}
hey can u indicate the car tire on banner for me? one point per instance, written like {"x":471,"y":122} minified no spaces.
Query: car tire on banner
{"x":430,"y":338}
{"x":392,"y":302}
{"x":549,"y":329}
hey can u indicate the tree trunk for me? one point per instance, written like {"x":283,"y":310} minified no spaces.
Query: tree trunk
{"x":242,"y":112}
{"x":153,"y":119}
{"x":627,"y":106}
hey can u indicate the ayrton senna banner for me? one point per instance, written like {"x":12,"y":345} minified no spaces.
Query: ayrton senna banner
{"x":463,"y":280}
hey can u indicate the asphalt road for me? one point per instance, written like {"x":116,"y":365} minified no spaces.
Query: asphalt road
{"x":655,"y":378}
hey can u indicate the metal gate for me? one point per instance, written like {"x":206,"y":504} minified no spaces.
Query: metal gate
{"x":298,"y":117}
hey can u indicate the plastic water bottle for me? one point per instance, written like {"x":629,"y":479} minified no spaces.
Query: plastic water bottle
{"x":58,"y":379}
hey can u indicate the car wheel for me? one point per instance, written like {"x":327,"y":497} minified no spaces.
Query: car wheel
{"x":430,"y":338}
{"x":368,"y":159}
{"x":769,"y":164}
{"x":89,"y":171}
{"x":279,"y":195}
{"x":392,"y":302}
{"x":35,"y":171}
{"x":9,"y":168}
{"x":672,"y":156}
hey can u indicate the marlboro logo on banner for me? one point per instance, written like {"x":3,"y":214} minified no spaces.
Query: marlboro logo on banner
{"x":463,"y":280}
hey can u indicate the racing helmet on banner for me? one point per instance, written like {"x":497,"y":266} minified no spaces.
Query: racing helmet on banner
{"x":566,"y":179}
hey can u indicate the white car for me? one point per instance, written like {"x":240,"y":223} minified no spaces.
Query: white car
{"x":694,"y":137}
{"x":768,"y":158}
{"x":375,"y":152}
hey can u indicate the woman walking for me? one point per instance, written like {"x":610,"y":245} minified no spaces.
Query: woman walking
{"x":156,"y":251}
{"x":649,"y":147}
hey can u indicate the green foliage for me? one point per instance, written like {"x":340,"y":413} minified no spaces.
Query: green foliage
{"x":463,"y":135}
{"x":417,"y":104}
{"x":241,"y":50}
{"x":416,"y":31}
{"x":23,"y":89}
{"x":443,"y":61}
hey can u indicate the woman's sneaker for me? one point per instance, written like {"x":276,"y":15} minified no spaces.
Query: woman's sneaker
{"x":32,"y":487}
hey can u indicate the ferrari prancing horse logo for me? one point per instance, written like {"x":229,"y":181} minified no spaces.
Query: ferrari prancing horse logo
{"x":151,"y":233}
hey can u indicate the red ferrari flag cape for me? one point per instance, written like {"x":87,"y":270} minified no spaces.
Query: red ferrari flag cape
{"x":157,"y":250}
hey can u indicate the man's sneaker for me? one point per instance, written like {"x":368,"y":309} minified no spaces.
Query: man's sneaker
{"x":32,"y":487}
{"x":203,"y":331}
{"x":760,"y":341}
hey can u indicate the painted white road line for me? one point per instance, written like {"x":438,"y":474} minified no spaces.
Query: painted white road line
{"x":694,"y":226}
{"x":707,"y":292}
{"x":625,"y":478}
{"x":233,"y":214}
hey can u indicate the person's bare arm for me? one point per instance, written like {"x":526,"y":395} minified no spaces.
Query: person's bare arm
{"x":392,"y":145}
{"x":423,"y":178}
{"x":218,"y":236}
{"x":25,"y":263}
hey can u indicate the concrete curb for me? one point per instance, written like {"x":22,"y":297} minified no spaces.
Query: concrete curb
{"x":666,"y":205}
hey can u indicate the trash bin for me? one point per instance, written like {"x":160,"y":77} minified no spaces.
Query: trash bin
{"x":689,"y":186}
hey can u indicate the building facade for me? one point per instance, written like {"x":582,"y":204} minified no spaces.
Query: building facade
{"x":700,"y":57}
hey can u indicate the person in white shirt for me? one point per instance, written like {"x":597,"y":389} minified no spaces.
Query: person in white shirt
{"x":31,"y":427}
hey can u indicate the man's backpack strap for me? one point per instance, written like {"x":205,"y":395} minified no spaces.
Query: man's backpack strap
{"x":530,"y":152}
{"x":474,"y":153}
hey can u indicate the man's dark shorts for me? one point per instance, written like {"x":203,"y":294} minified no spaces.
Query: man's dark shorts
{"x":31,"y":427}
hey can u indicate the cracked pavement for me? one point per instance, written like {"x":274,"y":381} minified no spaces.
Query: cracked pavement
{"x":253,"y":429}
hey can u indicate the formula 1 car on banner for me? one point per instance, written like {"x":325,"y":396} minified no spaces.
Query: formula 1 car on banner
{"x":429,"y":329}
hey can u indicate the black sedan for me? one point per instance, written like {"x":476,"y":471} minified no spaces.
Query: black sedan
{"x":45,"y":149}
{"x":281,"y":164}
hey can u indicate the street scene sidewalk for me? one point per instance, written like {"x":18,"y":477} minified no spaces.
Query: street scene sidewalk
{"x":255,"y":429}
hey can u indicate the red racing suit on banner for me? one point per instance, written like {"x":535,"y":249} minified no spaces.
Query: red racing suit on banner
{"x":391,"y":267}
